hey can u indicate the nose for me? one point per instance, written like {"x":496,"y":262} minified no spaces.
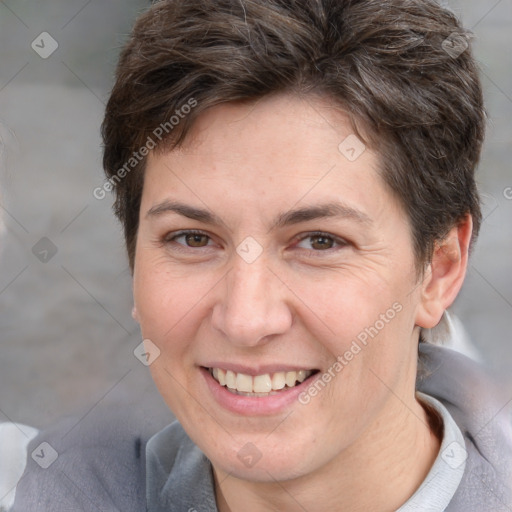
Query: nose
{"x":252,"y":305}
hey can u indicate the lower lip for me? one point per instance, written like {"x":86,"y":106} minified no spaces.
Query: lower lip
{"x":250,"y":405}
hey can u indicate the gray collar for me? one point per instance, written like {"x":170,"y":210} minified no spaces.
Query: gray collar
{"x":443,"y":479}
{"x":179,"y":477}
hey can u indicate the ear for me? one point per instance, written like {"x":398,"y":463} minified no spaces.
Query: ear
{"x":445,"y":274}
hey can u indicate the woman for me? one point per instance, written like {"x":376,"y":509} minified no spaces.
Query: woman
{"x":296,"y":186}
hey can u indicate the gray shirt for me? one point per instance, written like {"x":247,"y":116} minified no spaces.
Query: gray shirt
{"x":174,"y":462}
{"x":113,"y":462}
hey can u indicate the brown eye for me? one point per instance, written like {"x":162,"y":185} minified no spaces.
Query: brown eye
{"x":187,"y":239}
{"x":196,"y":240}
{"x":321,"y":242}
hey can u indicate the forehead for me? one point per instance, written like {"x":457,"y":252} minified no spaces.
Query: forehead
{"x":281,"y":151}
{"x":271,"y":126}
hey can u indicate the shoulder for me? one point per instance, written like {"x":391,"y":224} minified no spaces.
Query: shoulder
{"x":95,"y":463}
{"x":482,"y":411}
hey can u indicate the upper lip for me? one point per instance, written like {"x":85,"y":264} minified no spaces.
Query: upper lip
{"x":258,"y":370}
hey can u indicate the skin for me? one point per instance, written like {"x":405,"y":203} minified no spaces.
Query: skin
{"x":301,"y":303}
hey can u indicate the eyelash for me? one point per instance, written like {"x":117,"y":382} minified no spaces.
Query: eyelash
{"x":171,"y":238}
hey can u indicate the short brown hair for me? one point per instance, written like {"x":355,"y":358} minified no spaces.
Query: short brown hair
{"x":392,"y":65}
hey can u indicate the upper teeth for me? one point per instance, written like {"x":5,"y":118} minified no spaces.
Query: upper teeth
{"x":260,"y":383}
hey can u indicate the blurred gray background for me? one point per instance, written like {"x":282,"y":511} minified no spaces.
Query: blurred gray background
{"x":67,"y":336}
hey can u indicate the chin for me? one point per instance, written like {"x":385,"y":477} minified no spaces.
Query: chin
{"x":260,"y":460}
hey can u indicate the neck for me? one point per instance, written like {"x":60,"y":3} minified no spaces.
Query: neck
{"x":379,"y":472}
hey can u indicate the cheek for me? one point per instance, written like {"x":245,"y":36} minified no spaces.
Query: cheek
{"x":169,"y":309}
{"x":366,"y":327}
{"x":165,"y":298}
{"x":343,"y":306}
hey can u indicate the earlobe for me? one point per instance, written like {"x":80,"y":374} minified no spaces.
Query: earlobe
{"x":445,"y":274}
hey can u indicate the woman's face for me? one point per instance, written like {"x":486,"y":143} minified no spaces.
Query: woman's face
{"x":301,"y":261}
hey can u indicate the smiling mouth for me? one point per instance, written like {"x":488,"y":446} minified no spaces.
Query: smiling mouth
{"x":260,"y":385}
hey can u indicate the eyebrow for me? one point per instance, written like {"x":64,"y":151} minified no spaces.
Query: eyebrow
{"x":304,"y":214}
